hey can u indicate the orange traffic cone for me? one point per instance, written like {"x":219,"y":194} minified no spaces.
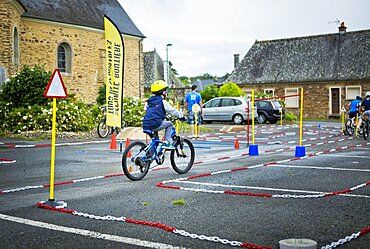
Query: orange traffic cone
{"x":129,"y":154}
{"x":113,"y":144}
{"x":236,"y":145}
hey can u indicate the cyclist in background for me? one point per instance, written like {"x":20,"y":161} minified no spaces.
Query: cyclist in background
{"x":365,"y":105}
{"x":157,"y":107}
{"x":354,"y":109}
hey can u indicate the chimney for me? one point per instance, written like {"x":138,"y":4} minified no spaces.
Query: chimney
{"x":236,"y":60}
{"x":342,"y":28}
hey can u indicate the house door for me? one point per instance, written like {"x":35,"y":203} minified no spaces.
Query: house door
{"x":335,"y":108}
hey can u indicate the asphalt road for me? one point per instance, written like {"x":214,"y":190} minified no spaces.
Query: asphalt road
{"x":228,"y":196}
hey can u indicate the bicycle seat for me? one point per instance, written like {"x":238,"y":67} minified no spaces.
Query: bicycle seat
{"x":151,"y":133}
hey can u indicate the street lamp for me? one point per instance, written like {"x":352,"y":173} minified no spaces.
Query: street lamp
{"x":168,"y":64}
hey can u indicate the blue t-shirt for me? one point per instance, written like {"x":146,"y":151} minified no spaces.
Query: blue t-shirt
{"x":193,"y":98}
{"x":355,"y":104}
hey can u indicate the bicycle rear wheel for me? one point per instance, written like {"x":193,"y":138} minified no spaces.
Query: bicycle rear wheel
{"x":350,"y":129}
{"x":182,"y":158}
{"x":103,"y":129}
{"x":135,"y":163}
{"x":365,"y":130}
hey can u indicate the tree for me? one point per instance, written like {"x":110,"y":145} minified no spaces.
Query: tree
{"x":209,"y":92}
{"x":230,"y":90}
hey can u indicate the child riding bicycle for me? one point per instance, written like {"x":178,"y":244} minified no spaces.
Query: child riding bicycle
{"x":157,"y":107}
{"x":354,"y":109}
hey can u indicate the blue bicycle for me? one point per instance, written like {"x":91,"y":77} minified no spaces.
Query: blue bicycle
{"x":138,"y":156}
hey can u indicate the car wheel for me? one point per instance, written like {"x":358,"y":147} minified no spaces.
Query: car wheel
{"x":261,"y":118}
{"x":237,"y":119}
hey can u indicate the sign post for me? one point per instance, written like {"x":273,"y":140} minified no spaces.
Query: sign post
{"x":343,"y":111}
{"x":300,"y":150}
{"x":253,"y":149}
{"x":55,"y":89}
{"x":195,"y":108}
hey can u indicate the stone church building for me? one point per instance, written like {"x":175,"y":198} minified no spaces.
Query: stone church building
{"x":331,"y":68}
{"x":69,"y":35}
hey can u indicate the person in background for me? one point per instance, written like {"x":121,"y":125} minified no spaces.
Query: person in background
{"x":365,"y":105}
{"x":191,"y":99}
{"x":157,"y":107}
{"x":354,"y":109}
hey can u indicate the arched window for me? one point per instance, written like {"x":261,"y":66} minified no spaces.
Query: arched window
{"x":15,"y":48}
{"x":64,"y":58}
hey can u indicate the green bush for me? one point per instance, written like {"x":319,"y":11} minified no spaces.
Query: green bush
{"x":209,"y":92}
{"x":101,"y":99}
{"x":290,"y":117}
{"x":71,"y":115}
{"x":133,"y":108}
{"x":230,"y":90}
{"x":26,"y":88}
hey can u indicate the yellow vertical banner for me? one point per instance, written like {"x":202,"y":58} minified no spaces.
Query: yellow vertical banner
{"x":114,"y":72}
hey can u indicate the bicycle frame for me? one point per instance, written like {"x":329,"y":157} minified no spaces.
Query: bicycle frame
{"x":153,"y":145}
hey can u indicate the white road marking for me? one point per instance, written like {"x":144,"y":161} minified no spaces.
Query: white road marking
{"x":337,"y":155}
{"x":323,"y":168}
{"x":87,"y":233}
{"x":260,"y":188}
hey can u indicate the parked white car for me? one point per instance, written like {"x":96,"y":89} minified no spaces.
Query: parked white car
{"x":228,"y":109}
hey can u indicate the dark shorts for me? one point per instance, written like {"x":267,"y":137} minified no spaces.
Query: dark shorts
{"x":353,"y":115}
{"x":191,"y":118}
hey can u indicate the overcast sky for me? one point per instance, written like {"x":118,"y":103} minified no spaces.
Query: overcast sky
{"x":206,"y":34}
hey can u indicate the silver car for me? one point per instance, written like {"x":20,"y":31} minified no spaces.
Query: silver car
{"x":228,"y":109}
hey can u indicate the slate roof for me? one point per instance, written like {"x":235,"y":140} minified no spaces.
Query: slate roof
{"x":201,"y":84}
{"x":330,"y":57}
{"x":88,"y":13}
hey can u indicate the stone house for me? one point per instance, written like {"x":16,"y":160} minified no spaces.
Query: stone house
{"x":69,"y":35}
{"x":331,"y":68}
{"x":154,"y":70}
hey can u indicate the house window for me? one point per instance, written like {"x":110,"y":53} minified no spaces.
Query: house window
{"x":291,"y":102}
{"x":15,"y":48}
{"x":248,"y":93}
{"x":270,"y":92}
{"x":64,"y":58}
{"x":352,"y":92}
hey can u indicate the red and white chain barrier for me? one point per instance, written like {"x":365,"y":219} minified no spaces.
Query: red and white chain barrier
{"x":57,"y":145}
{"x":7,"y":161}
{"x":157,"y":225}
{"x":7,"y":191}
{"x":347,"y":239}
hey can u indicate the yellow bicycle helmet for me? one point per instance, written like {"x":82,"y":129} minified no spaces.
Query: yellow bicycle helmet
{"x":158,"y":86}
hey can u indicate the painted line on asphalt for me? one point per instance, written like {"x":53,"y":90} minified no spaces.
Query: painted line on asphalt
{"x":347,"y":156}
{"x":264,"y":188}
{"x":322,"y":168}
{"x":87,"y":233}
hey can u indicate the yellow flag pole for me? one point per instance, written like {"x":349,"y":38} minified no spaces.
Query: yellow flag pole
{"x":52,"y":161}
{"x":342,"y":121}
{"x":252,"y":116}
{"x":177,"y":122}
{"x":301,"y":119}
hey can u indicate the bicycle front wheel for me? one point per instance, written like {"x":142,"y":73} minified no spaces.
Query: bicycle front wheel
{"x":135,"y":163}
{"x":365,"y":130}
{"x":182,"y":158}
{"x":103,"y":129}
{"x":350,"y":129}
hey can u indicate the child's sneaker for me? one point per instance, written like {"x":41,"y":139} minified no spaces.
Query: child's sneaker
{"x":167,"y":145}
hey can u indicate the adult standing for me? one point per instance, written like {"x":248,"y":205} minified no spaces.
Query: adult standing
{"x":191,"y":99}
